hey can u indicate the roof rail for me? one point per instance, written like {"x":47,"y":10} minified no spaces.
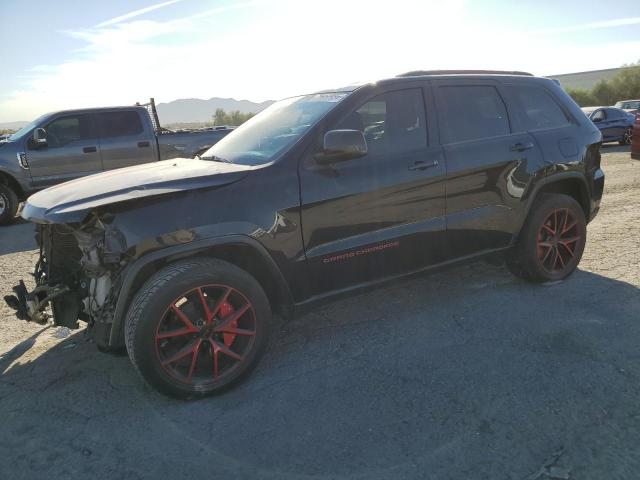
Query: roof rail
{"x":418,"y":73}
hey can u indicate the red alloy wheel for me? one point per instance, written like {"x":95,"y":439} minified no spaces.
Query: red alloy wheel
{"x":205,"y":334}
{"x":557,"y":240}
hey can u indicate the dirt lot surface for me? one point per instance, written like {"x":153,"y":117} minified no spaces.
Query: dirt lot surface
{"x":466,"y":374}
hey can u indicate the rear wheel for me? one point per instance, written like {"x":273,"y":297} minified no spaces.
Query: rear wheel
{"x":8,"y":204}
{"x":627,"y":138}
{"x":552,"y":240}
{"x":197,"y":327}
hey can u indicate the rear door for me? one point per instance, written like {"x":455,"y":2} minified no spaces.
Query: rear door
{"x":381,"y":214}
{"x":616,"y":122}
{"x":486,"y":165}
{"x":124,"y":140}
{"x":72,"y":150}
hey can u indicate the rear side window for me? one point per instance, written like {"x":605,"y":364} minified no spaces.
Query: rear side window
{"x":538,"y":109}
{"x":119,"y":124}
{"x":392,"y":123}
{"x":472,"y":112}
{"x":613,"y":114}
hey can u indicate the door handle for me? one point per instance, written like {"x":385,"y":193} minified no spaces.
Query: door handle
{"x":521,"y":147}
{"x":143,"y":144}
{"x":89,"y":149}
{"x":421,"y":165}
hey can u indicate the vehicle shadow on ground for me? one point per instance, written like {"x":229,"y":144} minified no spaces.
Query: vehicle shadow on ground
{"x":19,"y":236}
{"x":615,"y":148}
{"x":468,"y":373}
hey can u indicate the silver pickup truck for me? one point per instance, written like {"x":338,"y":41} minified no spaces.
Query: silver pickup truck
{"x":69,"y":144}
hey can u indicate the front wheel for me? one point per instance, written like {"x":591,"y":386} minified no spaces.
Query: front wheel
{"x":8,"y":204}
{"x":197,"y":327}
{"x":552,"y":240}
{"x":627,"y":138}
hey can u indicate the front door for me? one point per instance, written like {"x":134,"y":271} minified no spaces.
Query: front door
{"x":381,"y":214}
{"x":72,"y":151}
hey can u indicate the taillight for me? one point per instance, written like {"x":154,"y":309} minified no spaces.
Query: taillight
{"x":593,"y":157}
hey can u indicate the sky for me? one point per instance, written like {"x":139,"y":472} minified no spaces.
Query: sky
{"x":72,"y":53}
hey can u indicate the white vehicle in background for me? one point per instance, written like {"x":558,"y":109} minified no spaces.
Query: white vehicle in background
{"x":629,"y":106}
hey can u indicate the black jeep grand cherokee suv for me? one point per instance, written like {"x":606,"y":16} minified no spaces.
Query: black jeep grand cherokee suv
{"x":183,"y":261}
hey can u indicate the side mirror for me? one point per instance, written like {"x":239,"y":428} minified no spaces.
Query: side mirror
{"x":39,"y":137}
{"x":596,"y":119}
{"x":341,"y":145}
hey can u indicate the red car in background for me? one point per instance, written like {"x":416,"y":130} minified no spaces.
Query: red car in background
{"x":635,"y":141}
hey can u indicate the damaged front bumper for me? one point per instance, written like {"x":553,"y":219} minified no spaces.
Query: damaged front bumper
{"x":76,"y":279}
{"x":32,"y":306}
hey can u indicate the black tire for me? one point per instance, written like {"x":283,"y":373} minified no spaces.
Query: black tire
{"x":627,"y":138}
{"x":191,"y":286}
{"x":8,"y":204}
{"x":535,"y":256}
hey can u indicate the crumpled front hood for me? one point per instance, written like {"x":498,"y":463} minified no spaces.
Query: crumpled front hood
{"x":70,"y":202}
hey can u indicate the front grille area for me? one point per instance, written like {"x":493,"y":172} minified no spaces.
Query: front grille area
{"x":61,"y":252}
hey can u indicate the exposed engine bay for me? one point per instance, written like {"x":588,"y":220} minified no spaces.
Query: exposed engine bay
{"x":76,"y":276}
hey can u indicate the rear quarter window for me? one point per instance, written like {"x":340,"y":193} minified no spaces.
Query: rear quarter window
{"x":119,"y":124}
{"x":537,"y":109}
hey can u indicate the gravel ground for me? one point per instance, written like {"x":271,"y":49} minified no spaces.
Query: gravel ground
{"x":466,"y":374}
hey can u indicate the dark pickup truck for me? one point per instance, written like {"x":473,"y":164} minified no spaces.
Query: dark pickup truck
{"x":69,"y":144}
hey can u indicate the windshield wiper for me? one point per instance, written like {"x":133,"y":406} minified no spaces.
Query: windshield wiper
{"x":215,"y":158}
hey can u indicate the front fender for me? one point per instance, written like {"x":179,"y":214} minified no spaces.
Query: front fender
{"x":131,"y":274}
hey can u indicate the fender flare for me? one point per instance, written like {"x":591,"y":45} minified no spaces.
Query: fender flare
{"x":13,"y":182}
{"x":532,"y":194}
{"x":130,"y":274}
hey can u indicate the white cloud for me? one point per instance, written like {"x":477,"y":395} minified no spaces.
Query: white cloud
{"x":286,"y":47}
{"x":618,"y":22}
{"x":136,"y":13}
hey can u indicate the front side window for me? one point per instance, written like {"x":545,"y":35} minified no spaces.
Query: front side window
{"x":264,"y":137}
{"x":537,"y":108}
{"x":472,"y":112}
{"x":392,"y":123}
{"x":62,"y":131}
{"x":598,"y":116}
{"x":119,"y":124}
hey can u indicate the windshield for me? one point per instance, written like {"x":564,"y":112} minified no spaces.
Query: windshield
{"x":26,"y":129}
{"x":262,"y":138}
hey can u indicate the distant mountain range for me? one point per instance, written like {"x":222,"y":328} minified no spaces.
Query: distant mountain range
{"x":186,"y":110}
{"x":12,"y":125}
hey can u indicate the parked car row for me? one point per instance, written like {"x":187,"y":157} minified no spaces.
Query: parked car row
{"x":64,"y":145}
